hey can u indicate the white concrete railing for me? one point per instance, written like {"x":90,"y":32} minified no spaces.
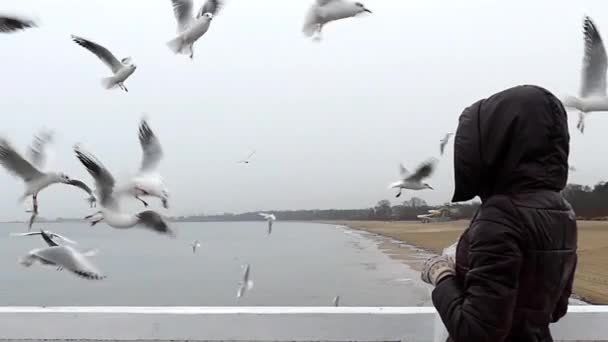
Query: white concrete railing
{"x":588,"y":323}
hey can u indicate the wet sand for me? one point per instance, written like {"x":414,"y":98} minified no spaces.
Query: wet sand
{"x":411,"y":242}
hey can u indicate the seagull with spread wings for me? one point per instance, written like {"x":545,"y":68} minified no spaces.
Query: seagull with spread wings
{"x":247,"y":160}
{"x":49,"y":234}
{"x":245,"y":284}
{"x":148,"y":181}
{"x":190,"y":28}
{"x":270,"y":218}
{"x":64,"y":257}
{"x":11,"y":23}
{"x":592,"y":96}
{"x":325,"y":11}
{"x":414,"y":181}
{"x":108,"y":199}
{"x":33,"y":170}
{"x":121,"y":69}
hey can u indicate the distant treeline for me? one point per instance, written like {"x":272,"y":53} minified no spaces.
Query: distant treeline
{"x":588,"y":203}
{"x":383,"y":211}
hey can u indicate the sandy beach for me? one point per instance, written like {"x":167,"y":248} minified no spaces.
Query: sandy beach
{"x":591,"y":283}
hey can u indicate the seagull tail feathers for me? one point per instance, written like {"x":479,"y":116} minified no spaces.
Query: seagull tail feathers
{"x":178,"y":46}
{"x":108,"y":82}
{"x":394,"y":185}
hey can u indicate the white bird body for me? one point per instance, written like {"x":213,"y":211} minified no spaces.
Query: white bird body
{"x":592,"y":95}
{"x":325,"y":11}
{"x":410,"y":185}
{"x":119,"y":77}
{"x":36,"y":185}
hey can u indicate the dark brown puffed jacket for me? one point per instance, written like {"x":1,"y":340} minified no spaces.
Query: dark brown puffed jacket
{"x":515,"y":263}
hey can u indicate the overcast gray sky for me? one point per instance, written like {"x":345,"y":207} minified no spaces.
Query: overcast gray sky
{"x":330,"y":121}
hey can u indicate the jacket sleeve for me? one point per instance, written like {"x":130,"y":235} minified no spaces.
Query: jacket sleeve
{"x":482,"y":308}
{"x":562,"y":304}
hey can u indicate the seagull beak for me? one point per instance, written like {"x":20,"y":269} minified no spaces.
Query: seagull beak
{"x":430,"y":187}
{"x":366,"y":10}
{"x":165,"y":203}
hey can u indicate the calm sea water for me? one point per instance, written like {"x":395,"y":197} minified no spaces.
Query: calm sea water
{"x":299,"y":264}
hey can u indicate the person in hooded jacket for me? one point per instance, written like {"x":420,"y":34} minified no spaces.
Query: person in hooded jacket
{"x":515,"y":263}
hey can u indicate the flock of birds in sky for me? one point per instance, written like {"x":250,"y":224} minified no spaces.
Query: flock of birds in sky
{"x":148,"y":182}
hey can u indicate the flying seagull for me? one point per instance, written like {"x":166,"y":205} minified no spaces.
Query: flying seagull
{"x":148,"y":181}
{"x":195,"y":245}
{"x":111,"y":212}
{"x":63,"y":257}
{"x":592,"y":95}
{"x":414,"y":181}
{"x":444,"y":142}
{"x":248,"y":159}
{"x":270,"y":218}
{"x":325,"y":11}
{"x":121,"y":69}
{"x":50,"y":234}
{"x":9,"y":24}
{"x":32,"y":171}
{"x":190,"y":28}
{"x":245,"y":284}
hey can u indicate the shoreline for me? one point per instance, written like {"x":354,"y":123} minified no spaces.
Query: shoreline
{"x":411,"y":242}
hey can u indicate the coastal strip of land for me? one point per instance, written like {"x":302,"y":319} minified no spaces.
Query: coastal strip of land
{"x":591,"y":281}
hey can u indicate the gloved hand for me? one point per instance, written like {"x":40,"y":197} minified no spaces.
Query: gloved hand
{"x":437,"y":268}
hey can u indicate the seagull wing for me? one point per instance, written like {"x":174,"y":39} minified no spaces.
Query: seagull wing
{"x":103,"y":178}
{"x":211,"y":6}
{"x":594,"y":61}
{"x":264,"y":215}
{"x":70,"y":259}
{"x":153,"y":220}
{"x":63,"y":238}
{"x":85,"y":188}
{"x":152,"y":150}
{"x":12,"y":24}
{"x":101,"y":52}
{"x":183,"y":13}
{"x":423,"y":171}
{"x":39,"y":150}
{"x":403,"y":172}
{"x":16,"y":164}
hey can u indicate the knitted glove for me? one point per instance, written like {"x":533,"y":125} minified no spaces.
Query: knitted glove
{"x":437,"y":268}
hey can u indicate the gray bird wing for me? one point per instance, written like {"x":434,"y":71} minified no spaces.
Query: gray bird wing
{"x":211,"y":6}
{"x":595,"y":63}
{"x":182,"y":9}
{"x":151,"y":148}
{"x":70,"y":259}
{"x":9,"y":24}
{"x":38,"y":153}
{"x":423,"y":171}
{"x":101,"y":52}
{"x":103,"y":178}
{"x":16,"y":164}
{"x":153,"y":220}
{"x":403,"y":172}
